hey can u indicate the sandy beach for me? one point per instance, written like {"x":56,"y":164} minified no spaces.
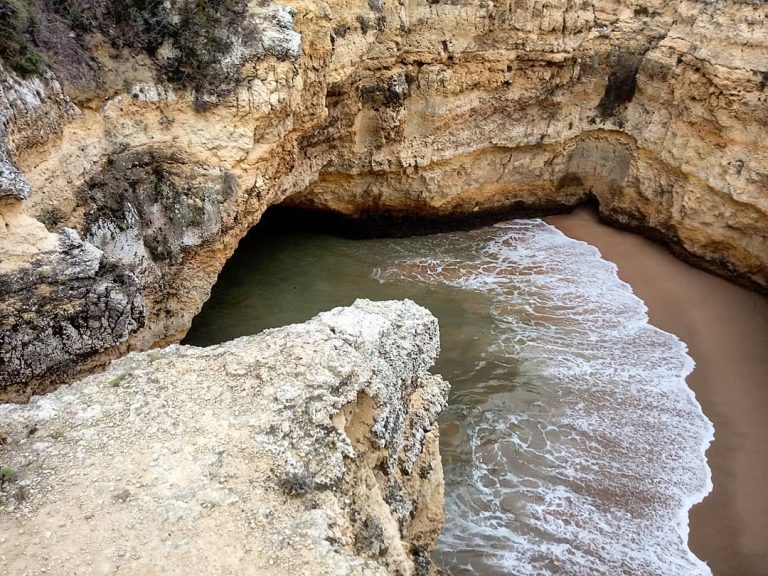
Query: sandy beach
{"x":726,"y":329}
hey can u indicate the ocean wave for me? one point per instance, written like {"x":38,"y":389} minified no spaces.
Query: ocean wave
{"x":578,"y":448}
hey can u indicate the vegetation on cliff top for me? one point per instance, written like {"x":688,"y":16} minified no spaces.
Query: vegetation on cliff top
{"x":199,"y":34}
{"x":17,"y":33}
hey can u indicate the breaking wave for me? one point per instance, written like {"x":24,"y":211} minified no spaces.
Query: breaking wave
{"x":574,"y":446}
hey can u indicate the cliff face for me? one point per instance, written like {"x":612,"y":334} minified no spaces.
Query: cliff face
{"x":308,"y":449}
{"x":428,"y":109}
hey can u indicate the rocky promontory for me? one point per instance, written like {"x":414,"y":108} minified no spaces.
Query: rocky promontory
{"x":307,"y":449}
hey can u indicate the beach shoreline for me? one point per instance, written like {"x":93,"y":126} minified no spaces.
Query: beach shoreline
{"x":726,"y":329}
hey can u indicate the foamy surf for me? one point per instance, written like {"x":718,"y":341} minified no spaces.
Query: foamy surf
{"x":579,"y":449}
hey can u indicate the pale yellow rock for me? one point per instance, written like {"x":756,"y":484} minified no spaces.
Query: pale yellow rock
{"x":658,"y":110}
{"x":23,"y":238}
{"x":310,"y":450}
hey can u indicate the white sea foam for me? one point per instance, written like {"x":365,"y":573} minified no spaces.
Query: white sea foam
{"x":584,"y":447}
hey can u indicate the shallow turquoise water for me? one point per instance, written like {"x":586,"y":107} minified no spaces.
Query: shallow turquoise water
{"x":571,"y":444}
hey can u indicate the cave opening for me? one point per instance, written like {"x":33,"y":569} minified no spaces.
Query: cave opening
{"x":296,"y":263}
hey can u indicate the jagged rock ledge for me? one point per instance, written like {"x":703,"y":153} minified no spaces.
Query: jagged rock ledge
{"x":307,"y":449}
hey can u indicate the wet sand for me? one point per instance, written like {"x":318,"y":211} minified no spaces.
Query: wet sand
{"x":726,"y":329}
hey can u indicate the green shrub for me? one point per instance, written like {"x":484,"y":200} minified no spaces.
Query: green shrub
{"x":142,"y":24}
{"x":7,"y":475}
{"x":201,"y":33}
{"x":17,"y":29}
{"x":202,"y":38}
{"x":81,"y":15}
{"x":117,"y":380}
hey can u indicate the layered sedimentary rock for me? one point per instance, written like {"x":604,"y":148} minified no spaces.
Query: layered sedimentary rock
{"x":418,"y":108}
{"x":308,"y":449}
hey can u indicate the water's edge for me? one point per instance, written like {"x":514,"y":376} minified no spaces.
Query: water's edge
{"x":572,"y":440}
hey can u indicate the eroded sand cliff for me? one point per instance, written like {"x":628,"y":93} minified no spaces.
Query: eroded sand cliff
{"x":420,"y":108}
{"x":308,"y":449}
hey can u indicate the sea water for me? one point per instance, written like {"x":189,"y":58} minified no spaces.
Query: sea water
{"x":571,"y":443}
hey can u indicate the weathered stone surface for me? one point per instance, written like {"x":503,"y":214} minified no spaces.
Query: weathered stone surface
{"x":658,"y":110}
{"x":12,"y":183}
{"x":30,"y":112}
{"x":308,"y":449}
{"x":66,"y":303}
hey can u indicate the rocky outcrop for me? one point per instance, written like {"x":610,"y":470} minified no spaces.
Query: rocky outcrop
{"x":417,"y":108}
{"x":66,"y":301}
{"x":308,"y":449}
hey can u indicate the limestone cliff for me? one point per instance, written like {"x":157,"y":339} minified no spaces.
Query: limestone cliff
{"x":419,"y":108}
{"x":309,"y":449}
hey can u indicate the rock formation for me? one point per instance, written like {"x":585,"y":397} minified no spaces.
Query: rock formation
{"x":155,"y":161}
{"x":308,"y":449}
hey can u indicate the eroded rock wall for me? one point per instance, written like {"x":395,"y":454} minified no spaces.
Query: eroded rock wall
{"x":309,"y":449}
{"x":658,"y":110}
{"x":409,"y":108}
